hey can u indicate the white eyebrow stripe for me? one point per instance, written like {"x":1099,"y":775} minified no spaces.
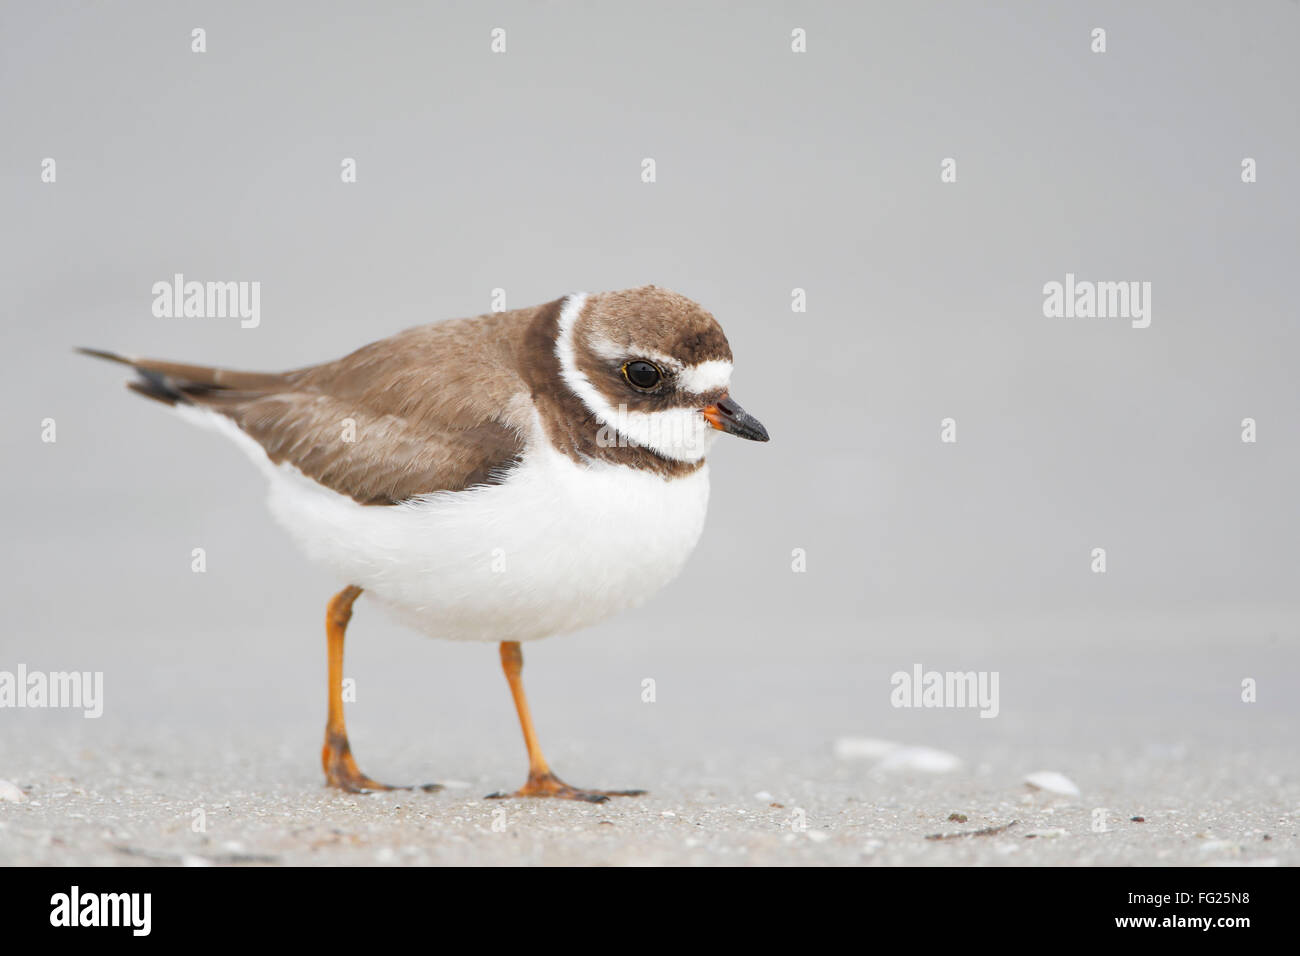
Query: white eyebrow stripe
{"x":604,"y":348}
{"x":665,"y":362}
{"x":705,"y":377}
{"x":613,"y":352}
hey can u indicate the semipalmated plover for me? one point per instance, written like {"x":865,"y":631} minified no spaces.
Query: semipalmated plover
{"x":503,"y":478}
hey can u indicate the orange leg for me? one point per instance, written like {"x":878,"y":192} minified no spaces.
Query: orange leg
{"x":341,"y":768}
{"x":541,"y":781}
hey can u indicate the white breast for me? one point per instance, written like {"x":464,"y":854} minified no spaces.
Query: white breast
{"x":554,"y":548}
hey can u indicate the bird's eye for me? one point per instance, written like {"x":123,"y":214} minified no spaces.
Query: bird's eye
{"x":642,"y":374}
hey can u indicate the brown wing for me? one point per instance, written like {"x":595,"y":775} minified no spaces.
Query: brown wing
{"x":438,"y":408}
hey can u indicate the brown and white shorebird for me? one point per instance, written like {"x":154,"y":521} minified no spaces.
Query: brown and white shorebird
{"x":502,"y":478}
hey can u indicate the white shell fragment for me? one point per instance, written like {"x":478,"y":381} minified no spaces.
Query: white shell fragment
{"x":11,"y":793}
{"x":1052,"y":782}
{"x":863,"y":748}
{"x":925,"y":759}
{"x":895,"y":756}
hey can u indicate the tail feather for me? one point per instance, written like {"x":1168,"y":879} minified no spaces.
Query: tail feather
{"x":175,"y":383}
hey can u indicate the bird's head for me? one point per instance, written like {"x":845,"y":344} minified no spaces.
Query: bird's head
{"x":654,"y":366}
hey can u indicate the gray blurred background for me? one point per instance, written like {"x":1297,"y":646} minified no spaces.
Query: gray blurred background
{"x":775,"y":171}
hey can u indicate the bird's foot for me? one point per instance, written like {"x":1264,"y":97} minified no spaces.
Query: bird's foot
{"x":342,"y":772}
{"x":549,"y":785}
{"x":360,"y":783}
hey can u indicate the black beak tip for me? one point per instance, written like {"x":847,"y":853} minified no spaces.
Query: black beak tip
{"x":736,"y":421}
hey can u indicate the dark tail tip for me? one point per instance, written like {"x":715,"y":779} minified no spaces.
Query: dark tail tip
{"x":101,"y":354}
{"x":150,"y":384}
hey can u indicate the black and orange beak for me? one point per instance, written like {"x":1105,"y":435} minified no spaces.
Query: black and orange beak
{"x":726,"y":415}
